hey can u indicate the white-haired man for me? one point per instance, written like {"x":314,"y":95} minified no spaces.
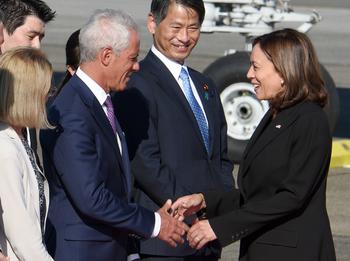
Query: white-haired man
{"x":86,"y":159}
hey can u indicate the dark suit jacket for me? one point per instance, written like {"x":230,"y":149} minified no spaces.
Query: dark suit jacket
{"x":279,"y":212}
{"x":168,"y":154}
{"x":89,"y":214}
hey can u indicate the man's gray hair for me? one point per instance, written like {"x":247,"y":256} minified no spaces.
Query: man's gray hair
{"x":106,"y":28}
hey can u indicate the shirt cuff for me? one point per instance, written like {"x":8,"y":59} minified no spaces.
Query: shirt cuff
{"x":133,"y":257}
{"x":157,"y":224}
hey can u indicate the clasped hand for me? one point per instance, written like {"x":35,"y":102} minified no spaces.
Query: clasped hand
{"x":200,"y":232}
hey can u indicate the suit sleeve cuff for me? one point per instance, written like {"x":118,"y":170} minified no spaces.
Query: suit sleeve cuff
{"x":157,"y":224}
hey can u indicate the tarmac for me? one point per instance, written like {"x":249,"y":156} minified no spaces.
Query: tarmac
{"x":331,"y":38}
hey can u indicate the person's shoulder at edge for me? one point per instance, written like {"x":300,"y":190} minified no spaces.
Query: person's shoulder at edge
{"x":6,"y":137}
{"x":8,"y":148}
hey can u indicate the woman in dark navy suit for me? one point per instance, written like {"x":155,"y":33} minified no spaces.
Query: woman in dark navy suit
{"x":279,"y":211}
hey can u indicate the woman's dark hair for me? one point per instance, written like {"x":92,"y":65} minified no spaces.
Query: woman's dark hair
{"x":73,"y":50}
{"x":295,"y":59}
{"x":72,"y":57}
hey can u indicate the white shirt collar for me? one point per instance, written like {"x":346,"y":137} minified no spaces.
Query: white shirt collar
{"x":173,"y":67}
{"x":96,"y":89}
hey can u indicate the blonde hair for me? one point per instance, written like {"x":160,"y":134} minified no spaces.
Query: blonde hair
{"x":25,"y":80}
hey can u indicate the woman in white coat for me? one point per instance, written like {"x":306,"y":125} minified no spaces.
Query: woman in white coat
{"x":25,"y":80}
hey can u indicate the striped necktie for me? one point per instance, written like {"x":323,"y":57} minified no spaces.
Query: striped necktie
{"x":117,"y":129}
{"x":110,"y":113}
{"x":196,"y":109}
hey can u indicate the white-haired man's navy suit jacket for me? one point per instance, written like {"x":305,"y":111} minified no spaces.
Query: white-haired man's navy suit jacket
{"x":89,"y":215}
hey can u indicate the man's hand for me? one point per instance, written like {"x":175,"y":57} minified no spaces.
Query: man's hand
{"x":171,"y":229}
{"x":188,"y":205}
{"x":200,"y":234}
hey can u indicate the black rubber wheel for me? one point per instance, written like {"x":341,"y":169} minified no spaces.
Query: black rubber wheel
{"x":233,"y":68}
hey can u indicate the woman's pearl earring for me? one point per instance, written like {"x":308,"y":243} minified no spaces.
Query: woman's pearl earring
{"x":282,"y":82}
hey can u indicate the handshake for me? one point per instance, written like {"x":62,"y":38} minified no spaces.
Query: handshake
{"x":173,"y":229}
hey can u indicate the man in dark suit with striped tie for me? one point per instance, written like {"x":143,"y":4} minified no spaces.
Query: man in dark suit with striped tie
{"x":174,"y":123}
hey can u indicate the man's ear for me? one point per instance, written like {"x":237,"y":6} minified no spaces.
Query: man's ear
{"x":151,"y":23}
{"x":105,"y":56}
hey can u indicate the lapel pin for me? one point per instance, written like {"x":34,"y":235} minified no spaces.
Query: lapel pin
{"x":278,"y":126}
{"x":206,"y":88}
